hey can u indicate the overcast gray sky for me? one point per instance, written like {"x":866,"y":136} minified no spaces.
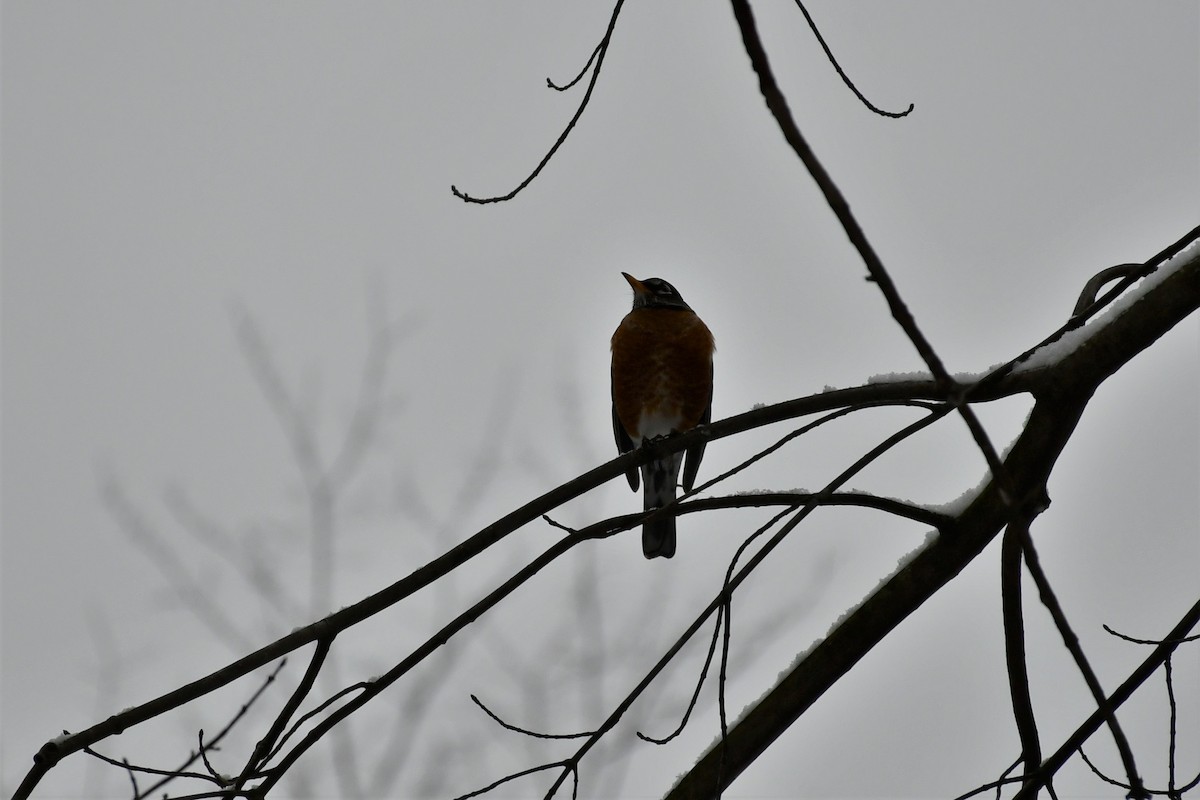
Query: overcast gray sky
{"x":169,"y":167}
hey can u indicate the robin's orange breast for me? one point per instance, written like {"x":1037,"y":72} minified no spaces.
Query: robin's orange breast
{"x":661,"y":371}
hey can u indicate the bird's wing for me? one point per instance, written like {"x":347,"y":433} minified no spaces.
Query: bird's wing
{"x":624,"y":445}
{"x":696,"y":452}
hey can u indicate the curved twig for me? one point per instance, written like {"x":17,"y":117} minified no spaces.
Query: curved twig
{"x":1152,"y":642}
{"x":712,"y":646}
{"x":564,"y":87}
{"x":1130,"y":272}
{"x":731,"y":585}
{"x":597,"y":63}
{"x":1114,"y":701}
{"x":845,"y":78}
{"x":132,"y":768}
{"x":508,"y":726}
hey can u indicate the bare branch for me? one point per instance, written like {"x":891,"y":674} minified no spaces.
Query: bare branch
{"x":265,"y":746}
{"x":730,"y":585}
{"x":565,"y":765}
{"x":1014,"y":645}
{"x":717,"y":629}
{"x":845,"y":78}
{"x":1050,"y":601}
{"x":565,"y":86}
{"x":1152,"y":642}
{"x":1060,"y":404}
{"x":1139,"y":676}
{"x":535,"y":734}
{"x":598,"y":60}
{"x":1129,"y":272}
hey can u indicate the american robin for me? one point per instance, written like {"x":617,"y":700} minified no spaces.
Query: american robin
{"x":662,"y":378}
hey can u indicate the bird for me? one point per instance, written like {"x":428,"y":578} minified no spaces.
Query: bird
{"x":662,"y":381}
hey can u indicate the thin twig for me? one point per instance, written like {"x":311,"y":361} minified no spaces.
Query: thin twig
{"x":270,"y":679}
{"x":522,"y":774}
{"x":217,"y":777}
{"x":361,"y":686}
{"x":712,"y":646}
{"x":1172,"y":730}
{"x":565,"y":86}
{"x":1130,"y":272}
{"x":1050,"y":601}
{"x":263,"y":748}
{"x":1152,"y":642}
{"x":1014,"y":646}
{"x":597,"y":63}
{"x":845,"y":78}
{"x":58,"y":748}
{"x":766,"y":499}
{"x":672,"y":506}
{"x":124,"y":764}
{"x":754,"y":561}
{"x":516,"y":729}
{"x":1123,"y":692}
{"x":997,"y":784}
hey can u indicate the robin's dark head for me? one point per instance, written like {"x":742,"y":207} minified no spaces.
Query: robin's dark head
{"x":655,"y":293}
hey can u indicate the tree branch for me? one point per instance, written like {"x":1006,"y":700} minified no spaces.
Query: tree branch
{"x":1014,"y":645}
{"x":878,"y":274}
{"x":596,"y":62}
{"x":1061,"y":400}
{"x":1139,"y":676}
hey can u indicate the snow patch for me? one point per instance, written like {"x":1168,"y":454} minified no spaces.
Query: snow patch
{"x":904,"y":560}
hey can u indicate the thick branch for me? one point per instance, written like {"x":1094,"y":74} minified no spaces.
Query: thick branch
{"x":1061,"y":399}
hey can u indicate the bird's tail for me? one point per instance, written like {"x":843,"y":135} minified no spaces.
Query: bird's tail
{"x":659,"y":477}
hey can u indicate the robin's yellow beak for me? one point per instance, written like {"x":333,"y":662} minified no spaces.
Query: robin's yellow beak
{"x":637,"y":285}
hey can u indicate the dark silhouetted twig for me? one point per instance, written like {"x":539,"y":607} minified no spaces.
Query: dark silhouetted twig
{"x":516,"y":729}
{"x":1140,"y":675}
{"x":596,"y":62}
{"x":1050,"y":601}
{"x":1014,"y":646}
{"x":716,"y":636}
{"x":531,"y":771}
{"x":845,"y":78}
{"x":731,"y":584}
